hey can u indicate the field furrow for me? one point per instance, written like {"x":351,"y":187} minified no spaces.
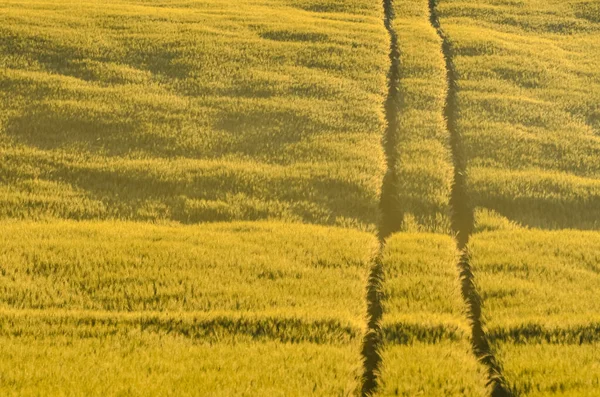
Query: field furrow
{"x":425,"y":327}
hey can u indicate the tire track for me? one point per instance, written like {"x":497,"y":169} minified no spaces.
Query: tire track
{"x":391,"y":216}
{"x":373,"y":339}
{"x":389,"y":205}
{"x":463,"y":220}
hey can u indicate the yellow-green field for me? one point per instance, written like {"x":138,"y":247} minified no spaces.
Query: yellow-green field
{"x":300,"y":197}
{"x":528,"y":94}
{"x":541,"y":296}
{"x":205,"y":111}
{"x":197,"y":309}
{"x":529,"y":112}
{"x":425,"y":328}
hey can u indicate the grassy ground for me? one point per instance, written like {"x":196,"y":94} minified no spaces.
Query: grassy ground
{"x":120,"y":112}
{"x":552,"y":369}
{"x":244,"y":267}
{"x":188,"y":112}
{"x":539,"y":277}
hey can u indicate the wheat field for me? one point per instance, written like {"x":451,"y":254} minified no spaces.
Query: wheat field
{"x":300,"y":197}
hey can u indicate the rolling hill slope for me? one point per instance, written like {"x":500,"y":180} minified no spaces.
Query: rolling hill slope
{"x":312,"y":197}
{"x":116,"y":116}
{"x":528,"y":117}
{"x":203,"y":111}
